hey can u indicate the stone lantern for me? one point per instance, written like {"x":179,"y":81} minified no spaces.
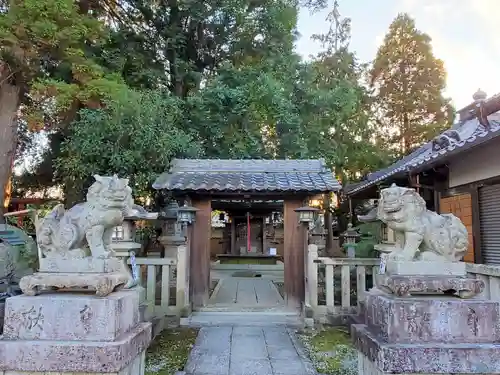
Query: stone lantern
{"x":171,"y":230}
{"x":186,"y":215}
{"x":351,"y":236}
{"x":306,"y":214}
{"x":123,"y":240}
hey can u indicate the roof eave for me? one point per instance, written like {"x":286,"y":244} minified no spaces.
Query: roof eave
{"x":250,"y":191}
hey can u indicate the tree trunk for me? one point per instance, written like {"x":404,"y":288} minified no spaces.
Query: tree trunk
{"x":9,"y":103}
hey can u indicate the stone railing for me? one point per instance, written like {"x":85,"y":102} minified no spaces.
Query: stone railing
{"x":167,"y":282}
{"x":491,"y":277}
{"x":335,"y":287}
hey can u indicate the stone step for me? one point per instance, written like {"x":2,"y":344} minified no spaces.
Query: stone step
{"x":241,"y":318}
{"x":278,"y":309}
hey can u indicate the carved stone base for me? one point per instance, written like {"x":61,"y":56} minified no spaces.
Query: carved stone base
{"x":427,"y":335}
{"x":74,"y":333}
{"x":404,"y":286}
{"x":71,"y":316}
{"x":425,"y":268}
{"x":84,"y":265}
{"x":432,"y":319}
{"x":383,"y":357}
{"x":102,"y":283}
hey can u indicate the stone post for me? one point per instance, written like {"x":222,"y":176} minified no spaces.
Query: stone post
{"x":123,"y":247}
{"x":182,"y":281}
{"x":311,"y":274}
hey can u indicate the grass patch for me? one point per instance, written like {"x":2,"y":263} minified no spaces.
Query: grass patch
{"x":331,"y":351}
{"x":169,"y":351}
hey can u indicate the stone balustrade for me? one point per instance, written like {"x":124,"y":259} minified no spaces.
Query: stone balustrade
{"x":335,"y":287}
{"x":173,"y":275}
{"x":490,"y":274}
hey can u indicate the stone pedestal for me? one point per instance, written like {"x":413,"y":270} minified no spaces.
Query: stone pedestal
{"x":74,"y":333}
{"x":410,"y":329}
{"x":100,"y":275}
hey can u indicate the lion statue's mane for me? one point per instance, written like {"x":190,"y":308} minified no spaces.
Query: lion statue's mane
{"x":420,"y":234}
{"x":89,"y":225}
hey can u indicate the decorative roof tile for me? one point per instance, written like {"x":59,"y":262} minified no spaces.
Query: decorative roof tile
{"x":247,"y":175}
{"x":461,"y":137}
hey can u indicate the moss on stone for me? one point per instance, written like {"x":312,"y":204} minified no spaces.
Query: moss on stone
{"x":331,"y":351}
{"x":169,"y":352}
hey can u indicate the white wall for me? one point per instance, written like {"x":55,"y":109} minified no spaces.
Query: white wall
{"x":478,"y":164}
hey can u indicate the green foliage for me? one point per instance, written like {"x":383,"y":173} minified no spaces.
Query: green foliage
{"x":336,"y":106}
{"x":134,"y":84}
{"x":409,"y":83}
{"x":44,"y":44}
{"x":135,"y":137}
{"x":370,"y":236}
{"x":238,"y":112}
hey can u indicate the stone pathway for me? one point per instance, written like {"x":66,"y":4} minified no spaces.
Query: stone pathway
{"x":246,"y":291}
{"x":240,"y":350}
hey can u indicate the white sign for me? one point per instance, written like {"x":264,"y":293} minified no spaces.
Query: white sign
{"x":383,"y":261}
{"x":272,"y":251}
{"x":135,"y":268}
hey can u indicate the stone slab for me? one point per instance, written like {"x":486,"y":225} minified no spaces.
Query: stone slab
{"x":404,"y":286}
{"x":75,"y":356}
{"x":432,"y":319}
{"x":84,"y":265}
{"x":74,"y":317}
{"x":136,"y":367}
{"x":366,"y":367}
{"x":425,"y":268}
{"x":102,"y":283}
{"x":430,"y":358}
{"x":243,"y":350}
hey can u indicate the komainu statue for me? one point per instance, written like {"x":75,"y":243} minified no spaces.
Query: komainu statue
{"x":89,"y":225}
{"x":420,"y":234}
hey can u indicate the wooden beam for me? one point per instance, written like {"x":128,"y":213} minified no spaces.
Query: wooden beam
{"x":233,"y":236}
{"x":200,"y":252}
{"x":263,"y":231}
{"x":294,"y":249}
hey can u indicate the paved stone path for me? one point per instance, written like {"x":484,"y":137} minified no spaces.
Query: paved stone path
{"x":239,"y":350}
{"x":246,"y":291}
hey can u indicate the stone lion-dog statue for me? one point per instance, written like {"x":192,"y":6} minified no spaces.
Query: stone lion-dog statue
{"x":420,"y":234}
{"x":87,"y":225}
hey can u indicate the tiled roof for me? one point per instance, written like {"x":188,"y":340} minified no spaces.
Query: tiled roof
{"x":247,"y":175}
{"x":459,"y":138}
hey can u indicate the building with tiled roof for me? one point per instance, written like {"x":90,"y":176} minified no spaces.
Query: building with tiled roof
{"x":219,"y":176}
{"x":259,"y":206}
{"x":457,"y":172}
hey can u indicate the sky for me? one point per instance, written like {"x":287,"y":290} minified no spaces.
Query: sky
{"x":464,"y":35}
